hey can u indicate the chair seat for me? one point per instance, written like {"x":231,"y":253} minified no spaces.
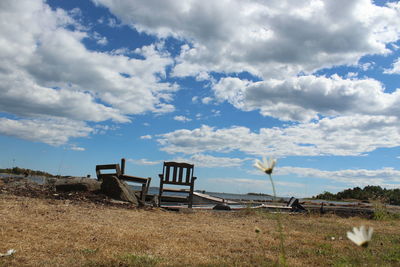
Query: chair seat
{"x":134,"y":179}
{"x":183,"y":190}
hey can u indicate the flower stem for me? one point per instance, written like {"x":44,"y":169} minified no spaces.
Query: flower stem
{"x":282,"y":256}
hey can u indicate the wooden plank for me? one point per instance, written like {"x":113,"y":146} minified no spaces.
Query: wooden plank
{"x":188,"y":171}
{"x":176,"y":183}
{"x":166,"y":177}
{"x":178,"y":164}
{"x":180,"y":175}
{"x":174,"y":174}
{"x":133,"y":179}
{"x":183,"y":190}
{"x":176,"y":199}
{"x":107,"y":167}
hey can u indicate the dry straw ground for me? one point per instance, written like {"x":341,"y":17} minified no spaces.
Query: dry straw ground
{"x":48,"y":232}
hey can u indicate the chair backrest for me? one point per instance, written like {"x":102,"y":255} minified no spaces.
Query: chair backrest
{"x":112,"y":167}
{"x":177,"y":173}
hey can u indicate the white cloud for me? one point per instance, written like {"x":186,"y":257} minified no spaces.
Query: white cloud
{"x":306,"y":97}
{"x":101,"y":40}
{"x":216,"y":113}
{"x":206,"y":100}
{"x":77,"y":148}
{"x":256,"y":186}
{"x":195,"y":99}
{"x":242,"y":184}
{"x":103,"y":129}
{"x":144,"y":162}
{"x":395,"y":46}
{"x":386,"y":177}
{"x":47,"y":71}
{"x":351,"y":75}
{"x":209,"y":161}
{"x":273,"y":39}
{"x":146,"y":137}
{"x":367,"y":66}
{"x":347,"y":135}
{"x":395,"y":68}
{"x":182,"y":118}
{"x":50,"y":131}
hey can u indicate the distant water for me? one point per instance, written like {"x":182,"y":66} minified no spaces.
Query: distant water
{"x":228,"y":196}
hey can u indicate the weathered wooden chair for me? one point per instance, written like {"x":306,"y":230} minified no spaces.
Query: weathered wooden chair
{"x":181,"y":174}
{"x":119,"y":172}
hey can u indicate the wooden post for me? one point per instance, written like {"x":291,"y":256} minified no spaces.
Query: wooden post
{"x":122,"y":166}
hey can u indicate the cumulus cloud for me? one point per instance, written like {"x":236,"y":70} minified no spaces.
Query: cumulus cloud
{"x":77,"y":148}
{"x":144,"y":162}
{"x":395,"y":68}
{"x":275,"y":39}
{"x":50,"y":131}
{"x":202,"y":160}
{"x":206,"y":100}
{"x":346,"y":135}
{"x":276,"y":42}
{"x":47,"y":71}
{"x":306,"y":97}
{"x":252,"y":185}
{"x":387,"y":177}
{"x":182,"y":118}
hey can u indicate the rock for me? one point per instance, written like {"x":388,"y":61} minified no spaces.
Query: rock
{"x":155,"y":202}
{"x":76,"y":184}
{"x":117,"y":189}
{"x":295,"y":205}
{"x":221,"y":206}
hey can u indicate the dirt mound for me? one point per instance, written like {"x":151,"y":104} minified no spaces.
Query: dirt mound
{"x":21,"y":186}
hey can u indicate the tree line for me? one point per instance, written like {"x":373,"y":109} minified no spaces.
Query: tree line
{"x":370,"y":192}
{"x":26,"y":172}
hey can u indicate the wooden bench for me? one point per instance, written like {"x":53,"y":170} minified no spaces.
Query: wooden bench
{"x":119,"y":172}
{"x":180,"y":174}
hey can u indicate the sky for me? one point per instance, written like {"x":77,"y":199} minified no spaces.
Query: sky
{"x":312,"y":83}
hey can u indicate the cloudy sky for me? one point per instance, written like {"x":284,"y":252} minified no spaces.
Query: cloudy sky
{"x":314,"y":83}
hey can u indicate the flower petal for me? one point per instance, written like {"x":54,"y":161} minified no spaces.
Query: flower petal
{"x":370,"y":232}
{"x":259,"y":166}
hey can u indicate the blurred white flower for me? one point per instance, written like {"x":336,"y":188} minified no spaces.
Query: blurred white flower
{"x":9,"y":253}
{"x":266,"y":166}
{"x":361,"y":236}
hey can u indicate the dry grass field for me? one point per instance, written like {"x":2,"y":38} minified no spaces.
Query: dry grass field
{"x":48,"y":232}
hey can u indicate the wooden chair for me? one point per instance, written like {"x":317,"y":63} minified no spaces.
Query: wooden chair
{"x":113,"y":167}
{"x":120,"y":173}
{"x":181,"y":174}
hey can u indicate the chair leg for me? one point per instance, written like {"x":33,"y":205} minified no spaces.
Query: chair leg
{"x":159,"y":195}
{"x":143,"y":193}
{"x":148,"y":185}
{"x":190,"y":204}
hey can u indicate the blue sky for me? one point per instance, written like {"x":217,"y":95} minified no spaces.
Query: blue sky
{"x":219,"y":84}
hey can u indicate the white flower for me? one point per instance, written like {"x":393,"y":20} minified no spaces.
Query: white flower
{"x":266,"y":166}
{"x":361,"y":236}
{"x":9,"y":253}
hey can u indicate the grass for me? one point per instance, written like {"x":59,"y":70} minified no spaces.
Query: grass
{"x":59,"y":233}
